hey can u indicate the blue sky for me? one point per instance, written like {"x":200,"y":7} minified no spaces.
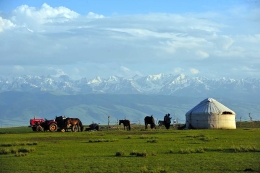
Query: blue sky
{"x":214,"y":39}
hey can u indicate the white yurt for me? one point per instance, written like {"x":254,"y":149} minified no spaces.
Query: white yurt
{"x":210,"y":114}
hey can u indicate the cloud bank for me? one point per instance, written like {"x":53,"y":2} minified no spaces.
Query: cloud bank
{"x":213,"y":44}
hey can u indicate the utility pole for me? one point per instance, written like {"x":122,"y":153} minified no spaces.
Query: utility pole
{"x":240,"y":122}
{"x":108,"y":121}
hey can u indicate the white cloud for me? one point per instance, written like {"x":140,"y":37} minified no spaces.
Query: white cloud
{"x":202,"y":54}
{"x":94,"y":15}
{"x":178,"y":70}
{"x":126,"y":72}
{"x":64,"y":39}
{"x":59,"y":72}
{"x":5,"y":24}
{"x":194,"y":71}
{"x":227,"y":42}
{"x":125,"y":69}
{"x":25,"y":15}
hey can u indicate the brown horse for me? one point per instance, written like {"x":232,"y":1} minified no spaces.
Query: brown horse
{"x":149,"y":120}
{"x":126,"y":124}
{"x":74,"y":123}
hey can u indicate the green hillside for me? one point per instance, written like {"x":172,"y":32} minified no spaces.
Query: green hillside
{"x":16,"y":108}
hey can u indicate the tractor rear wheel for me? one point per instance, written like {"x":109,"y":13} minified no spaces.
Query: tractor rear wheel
{"x":75,"y":128}
{"x":53,"y":127}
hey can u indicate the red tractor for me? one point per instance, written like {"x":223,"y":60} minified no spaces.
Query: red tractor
{"x":35,"y":124}
{"x":40,"y":124}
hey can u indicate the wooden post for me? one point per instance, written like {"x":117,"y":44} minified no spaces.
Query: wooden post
{"x":108,"y":121}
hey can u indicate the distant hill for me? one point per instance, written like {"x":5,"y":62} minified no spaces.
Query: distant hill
{"x":16,"y":107}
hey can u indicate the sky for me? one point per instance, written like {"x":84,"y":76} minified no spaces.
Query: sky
{"x":90,"y":38}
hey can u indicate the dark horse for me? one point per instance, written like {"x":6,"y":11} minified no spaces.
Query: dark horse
{"x":149,"y":120}
{"x":161,"y":123}
{"x":126,"y":124}
{"x":74,"y":123}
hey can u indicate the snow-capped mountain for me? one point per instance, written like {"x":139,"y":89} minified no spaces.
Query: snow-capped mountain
{"x":165,"y":84}
{"x":46,"y":96}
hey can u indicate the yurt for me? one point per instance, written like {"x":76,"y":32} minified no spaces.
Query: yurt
{"x":210,"y":114}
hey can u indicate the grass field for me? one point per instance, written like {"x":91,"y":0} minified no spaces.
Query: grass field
{"x":138,"y":150}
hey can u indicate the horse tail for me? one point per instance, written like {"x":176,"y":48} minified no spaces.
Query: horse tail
{"x":81,"y":126}
{"x":129,"y":125}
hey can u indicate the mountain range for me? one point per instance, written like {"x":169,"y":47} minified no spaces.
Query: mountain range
{"x":161,"y":84}
{"x":93,"y":100}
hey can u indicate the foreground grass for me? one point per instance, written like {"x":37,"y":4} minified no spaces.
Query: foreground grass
{"x":132,"y":151}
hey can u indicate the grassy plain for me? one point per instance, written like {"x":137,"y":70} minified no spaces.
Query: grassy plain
{"x":137,"y":150}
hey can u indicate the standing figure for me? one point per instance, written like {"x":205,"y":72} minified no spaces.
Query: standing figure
{"x":167,"y":121}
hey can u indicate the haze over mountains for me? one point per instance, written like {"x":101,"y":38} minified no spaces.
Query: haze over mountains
{"x":92,"y":100}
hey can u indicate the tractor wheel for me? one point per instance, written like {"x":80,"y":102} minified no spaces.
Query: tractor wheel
{"x":53,"y":127}
{"x":75,"y":128}
{"x":39,"y":128}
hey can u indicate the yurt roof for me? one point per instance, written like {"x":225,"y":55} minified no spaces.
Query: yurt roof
{"x":210,"y":106}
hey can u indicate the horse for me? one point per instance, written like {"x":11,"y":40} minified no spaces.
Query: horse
{"x":126,"y":124}
{"x":161,"y":123}
{"x":167,"y":121}
{"x":74,"y":124}
{"x":149,"y":120}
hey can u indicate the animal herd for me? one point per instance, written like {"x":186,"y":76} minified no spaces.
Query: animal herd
{"x":149,"y":120}
{"x":71,"y":123}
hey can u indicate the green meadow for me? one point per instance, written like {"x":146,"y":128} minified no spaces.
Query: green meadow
{"x":138,"y":150}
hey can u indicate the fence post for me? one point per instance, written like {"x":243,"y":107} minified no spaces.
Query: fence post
{"x":108,"y":121}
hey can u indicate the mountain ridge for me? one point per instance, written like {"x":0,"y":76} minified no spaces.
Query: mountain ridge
{"x":24,"y":97}
{"x":163,"y":84}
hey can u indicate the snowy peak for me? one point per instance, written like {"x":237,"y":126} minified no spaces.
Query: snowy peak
{"x":166,"y":84}
{"x":155,"y":77}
